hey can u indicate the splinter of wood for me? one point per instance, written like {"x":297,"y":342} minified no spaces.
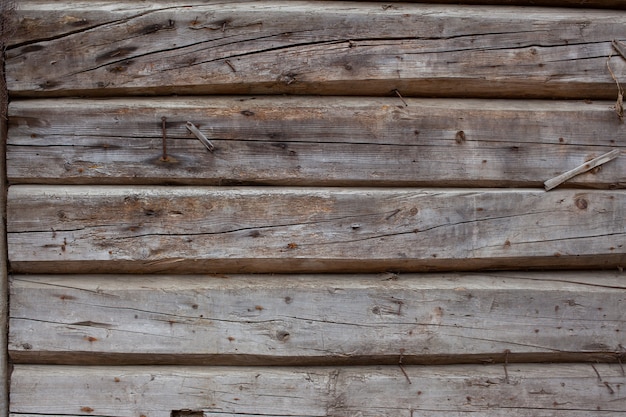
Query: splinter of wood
{"x":597,"y":373}
{"x":619,"y":47}
{"x":193,"y":129}
{"x":506,"y":364}
{"x":164,"y":157}
{"x":558,"y":180}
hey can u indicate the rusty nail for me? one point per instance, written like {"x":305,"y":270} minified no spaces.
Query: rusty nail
{"x":402,"y":366}
{"x":230,"y":64}
{"x":400,"y":97}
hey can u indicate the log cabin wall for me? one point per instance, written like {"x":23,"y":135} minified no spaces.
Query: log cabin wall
{"x":369,"y":234}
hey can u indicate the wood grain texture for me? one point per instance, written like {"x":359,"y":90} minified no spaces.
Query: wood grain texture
{"x":83,"y":229}
{"x":313,"y":141}
{"x":341,"y":48}
{"x":434,"y":391}
{"x":45,"y":17}
{"x":315,"y":320}
{"x":608,"y":4}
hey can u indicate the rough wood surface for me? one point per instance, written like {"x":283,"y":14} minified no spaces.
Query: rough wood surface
{"x":525,"y":390}
{"x":57,"y":229}
{"x":313,"y":320}
{"x":300,"y":47}
{"x":313,"y":141}
{"x":46,"y":17}
{"x":609,"y":4}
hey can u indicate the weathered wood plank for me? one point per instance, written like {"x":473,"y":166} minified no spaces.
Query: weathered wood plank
{"x":47,"y":20}
{"x":57,"y":229}
{"x":313,"y":141}
{"x":315,"y":320}
{"x":612,"y":4}
{"x":341,"y":48}
{"x":461,"y":390}
{"x":39,"y":20}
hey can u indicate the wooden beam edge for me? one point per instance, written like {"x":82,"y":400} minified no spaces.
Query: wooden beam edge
{"x":410,"y":87}
{"x":4,"y":293}
{"x":609,"y":261}
{"x":89,"y":358}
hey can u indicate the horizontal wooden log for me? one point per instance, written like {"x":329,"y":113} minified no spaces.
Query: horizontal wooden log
{"x":313,"y":141}
{"x":521,"y":390}
{"x":302,"y":48}
{"x":317,"y":320}
{"x":83,"y":229}
{"x":39,"y":20}
{"x":35,"y":20}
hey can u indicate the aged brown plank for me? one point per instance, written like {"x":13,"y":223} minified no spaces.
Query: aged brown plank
{"x":461,"y":390}
{"x":314,"y":320}
{"x":211,"y":229}
{"x":341,"y":48}
{"x":313,"y":141}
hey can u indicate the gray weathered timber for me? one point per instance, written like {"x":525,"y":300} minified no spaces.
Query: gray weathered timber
{"x":57,"y":229}
{"x":530,"y":390}
{"x":46,"y":19}
{"x":313,"y":141}
{"x":313,"y":320}
{"x":341,"y":48}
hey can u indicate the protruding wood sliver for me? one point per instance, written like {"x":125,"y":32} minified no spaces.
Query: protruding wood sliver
{"x":560,"y":179}
{"x":73,"y":229}
{"x":313,"y":141}
{"x":317,"y":319}
{"x":305,"y":48}
{"x":200,"y":136}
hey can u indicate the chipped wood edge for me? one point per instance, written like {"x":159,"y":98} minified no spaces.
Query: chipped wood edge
{"x":560,"y":179}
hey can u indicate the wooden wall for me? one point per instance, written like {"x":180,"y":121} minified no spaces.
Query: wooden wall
{"x":369,"y":237}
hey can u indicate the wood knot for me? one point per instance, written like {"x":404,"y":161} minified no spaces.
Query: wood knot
{"x":282,"y":336}
{"x":581,"y":203}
